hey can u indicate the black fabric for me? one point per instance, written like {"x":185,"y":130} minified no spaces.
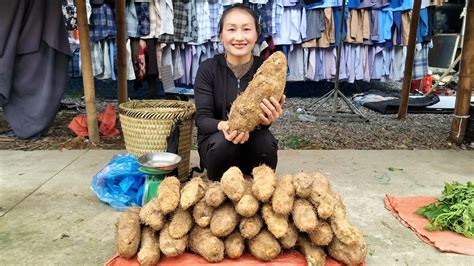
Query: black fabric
{"x":36,"y":97}
{"x":34,"y":58}
{"x":151,"y":62}
{"x":96,"y":2}
{"x":215,"y":88}
{"x":309,"y":2}
{"x":470,"y":124}
{"x":217,"y":154}
{"x":173,"y":139}
{"x":173,"y":144}
{"x":431,"y":24}
{"x":415,"y":105}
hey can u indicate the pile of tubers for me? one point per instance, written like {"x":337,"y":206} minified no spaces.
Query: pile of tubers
{"x":223,"y":219}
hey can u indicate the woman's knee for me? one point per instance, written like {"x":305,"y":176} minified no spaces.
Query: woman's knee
{"x":217,"y":150}
{"x":219,"y":146}
{"x":263,"y":141}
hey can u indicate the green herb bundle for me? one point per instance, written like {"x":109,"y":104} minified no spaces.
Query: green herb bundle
{"x":454,"y":210}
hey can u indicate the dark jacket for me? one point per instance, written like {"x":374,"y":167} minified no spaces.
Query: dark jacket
{"x":215,"y":88}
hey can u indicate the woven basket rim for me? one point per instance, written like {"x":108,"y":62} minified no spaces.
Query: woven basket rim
{"x":153,"y":109}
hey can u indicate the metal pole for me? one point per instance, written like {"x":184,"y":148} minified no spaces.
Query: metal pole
{"x":87,"y":75}
{"x":121,"y":52}
{"x":466,"y":78}
{"x":415,"y":18}
{"x":335,"y":93}
{"x":339,"y":51}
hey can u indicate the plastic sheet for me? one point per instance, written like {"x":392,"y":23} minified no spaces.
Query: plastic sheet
{"x":120,"y":184}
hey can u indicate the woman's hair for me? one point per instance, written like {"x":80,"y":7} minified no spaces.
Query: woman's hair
{"x":243,"y":8}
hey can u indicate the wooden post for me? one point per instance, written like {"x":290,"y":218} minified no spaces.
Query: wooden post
{"x":87,"y":75}
{"x":121,"y":52}
{"x":415,"y":18}
{"x":466,"y":77}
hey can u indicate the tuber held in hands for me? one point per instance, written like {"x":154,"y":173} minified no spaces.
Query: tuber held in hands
{"x":268,"y":81}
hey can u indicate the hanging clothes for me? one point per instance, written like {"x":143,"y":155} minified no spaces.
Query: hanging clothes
{"x":166,"y":15}
{"x":131,"y":19}
{"x":178,"y":70}
{"x":314,"y":18}
{"x":155,"y":20}
{"x":130,"y":69}
{"x":102,"y":23}
{"x":420,"y":61}
{"x":143,"y":16}
{"x":203,"y":21}
{"x":34,"y":58}
{"x":293,"y":21}
{"x":358,"y":26}
{"x":296,"y":69}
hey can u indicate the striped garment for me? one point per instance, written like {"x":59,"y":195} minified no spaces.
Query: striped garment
{"x":102,"y":23}
{"x":143,"y":16}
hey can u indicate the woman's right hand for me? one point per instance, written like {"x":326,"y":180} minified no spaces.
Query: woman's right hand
{"x":233,"y":136}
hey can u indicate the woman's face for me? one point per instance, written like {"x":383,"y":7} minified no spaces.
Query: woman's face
{"x":239,"y":34}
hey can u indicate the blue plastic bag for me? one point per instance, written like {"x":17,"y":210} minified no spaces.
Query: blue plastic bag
{"x":120,"y":184}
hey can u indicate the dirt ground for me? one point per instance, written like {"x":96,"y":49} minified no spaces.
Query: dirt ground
{"x":418,"y":131}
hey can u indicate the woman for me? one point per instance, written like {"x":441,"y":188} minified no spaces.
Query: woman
{"x":218,"y":82}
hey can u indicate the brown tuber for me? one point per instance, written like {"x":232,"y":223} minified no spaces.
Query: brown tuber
{"x":290,"y":238}
{"x":151,"y":215}
{"x":321,"y":196}
{"x":322,"y":234}
{"x":233,"y":183}
{"x":248,"y":205}
{"x":302,"y":183}
{"x":304,"y":215}
{"x":264,"y":246}
{"x":277,"y":224}
{"x":268,"y":81}
{"x":214,"y":195}
{"x":250,"y":227}
{"x":234,"y":245}
{"x":181,"y":223}
{"x":348,"y":244}
{"x":348,"y":254}
{"x":128,"y":233}
{"x":170,"y":246}
{"x":204,"y":243}
{"x":149,"y":253}
{"x":264,"y":182}
{"x":192,"y":192}
{"x":202,"y":213}
{"x":168,"y":194}
{"x":284,"y":195}
{"x":224,"y":220}
{"x":315,"y":256}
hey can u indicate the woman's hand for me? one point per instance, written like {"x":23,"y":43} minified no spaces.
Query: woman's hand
{"x":272,"y":109}
{"x":233,"y":136}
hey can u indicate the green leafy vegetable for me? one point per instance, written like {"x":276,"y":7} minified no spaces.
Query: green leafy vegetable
{"x":454,"y":210}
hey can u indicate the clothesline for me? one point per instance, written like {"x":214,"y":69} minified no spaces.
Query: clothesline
{"x":375,"y":37}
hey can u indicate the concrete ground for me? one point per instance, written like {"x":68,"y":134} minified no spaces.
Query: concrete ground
{"x":50,"y":216}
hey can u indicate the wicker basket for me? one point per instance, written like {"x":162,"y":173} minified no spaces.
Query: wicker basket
{"x":146,"y":125}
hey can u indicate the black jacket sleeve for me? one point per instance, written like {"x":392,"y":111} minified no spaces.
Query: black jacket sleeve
{"x":204,"y":98}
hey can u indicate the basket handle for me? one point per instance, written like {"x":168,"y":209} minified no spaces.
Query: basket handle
{"x":173,"y":141}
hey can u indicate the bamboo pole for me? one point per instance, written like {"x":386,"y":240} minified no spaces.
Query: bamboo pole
{"x":87,"y":75}
{"x":466,"y":77}
{"x":121,"y":52}
{"x":415,"y":18}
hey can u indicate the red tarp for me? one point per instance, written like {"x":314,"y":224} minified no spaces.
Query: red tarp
{"x":404,"y":208}
{"x":292,"y":258}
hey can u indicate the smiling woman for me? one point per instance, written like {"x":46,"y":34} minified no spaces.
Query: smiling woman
{"x":238,"y":31}
{"x":218,"y":82}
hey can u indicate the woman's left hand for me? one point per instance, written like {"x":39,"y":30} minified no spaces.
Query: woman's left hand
{"x":272,"y":109}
